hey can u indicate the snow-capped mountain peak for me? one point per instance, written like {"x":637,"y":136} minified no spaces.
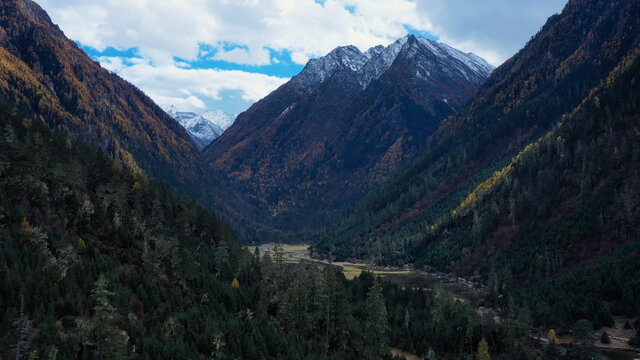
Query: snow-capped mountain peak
{"x":318,"y":70}
{"x":381,"y":59}
{"x":371,"y":64}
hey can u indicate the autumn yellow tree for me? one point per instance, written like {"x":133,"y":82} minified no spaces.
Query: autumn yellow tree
{"x":553,"y":338}
{"x":483,"y":350}
{"x":25,"y":227}
{"x":235,"y":283}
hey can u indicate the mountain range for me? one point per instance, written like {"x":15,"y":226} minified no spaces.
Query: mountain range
{"x":519,"y":103}
{"x":203,"y":128}
{"x":347,"y":123}
{"x":524,"y":178}
{"x":533,"y":184}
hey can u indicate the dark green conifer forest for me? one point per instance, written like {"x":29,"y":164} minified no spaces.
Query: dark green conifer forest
{"x":100,"y":263}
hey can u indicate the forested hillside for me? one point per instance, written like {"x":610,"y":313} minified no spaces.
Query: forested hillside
{"x":564,"y":212}
{"x":553,"y":221}
{"x":42,"y":73}
{"x":520,"y":102}
{"x":532,"y":188}
{"x":102,"y":263}
{"x":89,"y":247}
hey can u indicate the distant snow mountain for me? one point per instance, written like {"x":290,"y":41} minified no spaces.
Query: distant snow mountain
{"x":203,"y":128}
{"x":220,"y":118}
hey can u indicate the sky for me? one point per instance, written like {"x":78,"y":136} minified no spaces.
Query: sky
{"x":200,"y":55}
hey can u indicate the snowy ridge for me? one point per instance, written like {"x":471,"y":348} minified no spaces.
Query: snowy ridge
{"x":473,"y":62}
{"x":371,"y":64}
{"x":381,"y":60}
{"x":318,"y":70}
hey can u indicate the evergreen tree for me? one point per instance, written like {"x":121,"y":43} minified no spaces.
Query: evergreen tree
{"x":328,"y":280}
{"x":22,"y":325}
{"x":583,"y":334}
{"x":635,"y":340}
{"x":552,"y":351}
{"x":583,"y":340}
{"x":99,"y":333}
{"x":376,"y":338}
{"x":221,"y":257}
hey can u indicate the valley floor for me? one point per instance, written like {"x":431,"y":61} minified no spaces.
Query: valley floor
{"x":462,"y":289}
{"x":403,"y":276}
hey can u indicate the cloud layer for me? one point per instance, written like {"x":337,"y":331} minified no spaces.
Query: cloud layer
{"x":249,"y":32}
{"x":185,"y":87}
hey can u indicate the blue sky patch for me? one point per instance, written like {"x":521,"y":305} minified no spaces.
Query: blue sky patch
{"x":109,"y":52}
{"x":281,"y":63}
{"x":424,"y":34}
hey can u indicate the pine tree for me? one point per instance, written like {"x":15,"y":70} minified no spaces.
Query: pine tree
{"x":22,"y":325}
{"x":635,"y":340}
{"x":583,"y":334}
{"x":219,"y":344}
{"x":99,"y":333}
{"x":583,"y":342}
{"x":278,"y":256}
{"x":328,"y":285}
{"x":469,"y":339}
{"x":376,"y":338}
{"x":278,"y":280}
{"x":221,"y":257}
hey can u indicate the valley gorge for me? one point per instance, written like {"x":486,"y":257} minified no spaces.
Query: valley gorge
{"x":405,"y":200}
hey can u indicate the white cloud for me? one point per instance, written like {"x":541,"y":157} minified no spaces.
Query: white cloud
{"x":493,"y":29}
{"x":190,"y":89}
{"x":164,"y":30}
{"x":244,"y":56}
{"x":178,"y":27}
{"x":189,"y":103}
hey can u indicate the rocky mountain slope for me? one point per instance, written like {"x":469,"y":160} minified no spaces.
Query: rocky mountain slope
{"x":345,"y":124}
{"x":45,"y":74}
{"x":520,"y":102}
